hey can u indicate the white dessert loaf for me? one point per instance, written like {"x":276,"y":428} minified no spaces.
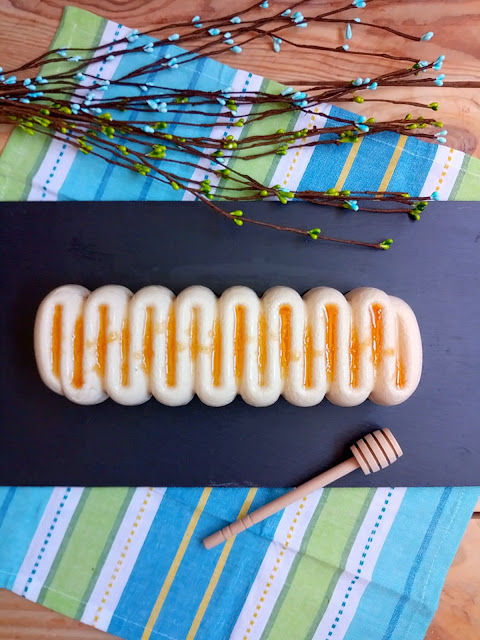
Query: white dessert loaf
{"x":112,"y":343}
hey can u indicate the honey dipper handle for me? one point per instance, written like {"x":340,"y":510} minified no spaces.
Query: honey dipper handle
{"x":325,"y":478}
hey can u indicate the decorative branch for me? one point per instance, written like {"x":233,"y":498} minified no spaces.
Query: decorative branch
{"x":76,"y":106}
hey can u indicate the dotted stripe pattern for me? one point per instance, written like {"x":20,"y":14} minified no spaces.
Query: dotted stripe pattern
{"x":54,"y":168}
{"x":123,"y":555}
{"x":297,"y":153}
{"x":46,"y":541}
{"x":244,"y":89}
{"x":274,"y":570}
{"x":67,"y":138}
{"x":355,"y":579}
{"x":227,"y":128}
{"x":231,"y":119}
{"x":445,"y":169}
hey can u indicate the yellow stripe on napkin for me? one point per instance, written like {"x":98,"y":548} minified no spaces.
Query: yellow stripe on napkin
{"x":175,"y":564}
{"x":348,"y":164}
{"x":218,"y":570}
{"x":392,"y":164}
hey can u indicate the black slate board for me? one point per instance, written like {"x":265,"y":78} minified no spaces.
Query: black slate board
{"x":434,"y":265}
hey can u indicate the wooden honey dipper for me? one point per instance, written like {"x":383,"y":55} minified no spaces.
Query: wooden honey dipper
{"x":371,"y":453}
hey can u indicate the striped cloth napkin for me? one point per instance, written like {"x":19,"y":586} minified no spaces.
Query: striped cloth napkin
{"x":341,"y":563}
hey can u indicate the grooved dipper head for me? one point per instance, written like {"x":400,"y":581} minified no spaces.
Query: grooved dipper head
{"x":376,"y":451}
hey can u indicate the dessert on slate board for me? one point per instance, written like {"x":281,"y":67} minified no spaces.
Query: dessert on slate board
{"x":111,"y":343}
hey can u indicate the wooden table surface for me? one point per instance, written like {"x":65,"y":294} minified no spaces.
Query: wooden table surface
{"x":26,"y":29}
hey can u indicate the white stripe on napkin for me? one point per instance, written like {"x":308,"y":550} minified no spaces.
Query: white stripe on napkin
{"x":270,"y":566}
{"x":363,"y":556}
{"x":58,"y":176}
{"x":443,"y":172}
{"x":122,"y":557}
{"x":204,"y":165}
{"x":292,"y":165}
{"x":46,"y":542}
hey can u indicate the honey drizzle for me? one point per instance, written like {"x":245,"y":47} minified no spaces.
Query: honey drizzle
{"x":308,"y":357}
{"x":57,"y":340}
{"x":102,"y":340}
{"x":401,"y":369}
{"x":354,"y":357}
{"x":377,"y":334}
{"x":171,"y":347}
{"x":285,"y":338}
{"x":78,"y":346}
{"x":240,"y":340}
{"x":401,"y":378}
{"x":217,"y":353}
{"x":148,"y":341}
{"x":262,"y":349}
{"x":194,"y":335}
{"x":125,"y":352}
{"x":331,"y":317}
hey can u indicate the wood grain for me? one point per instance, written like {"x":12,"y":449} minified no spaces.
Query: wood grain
{"x":458,"y":614}
{"x":24,"y":620}
{"x":27,"y":28}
